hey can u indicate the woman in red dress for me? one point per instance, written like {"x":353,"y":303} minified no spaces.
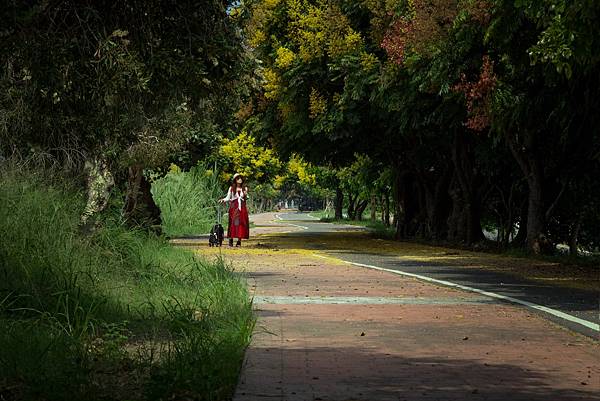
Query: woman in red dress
{"x":239,"y":224}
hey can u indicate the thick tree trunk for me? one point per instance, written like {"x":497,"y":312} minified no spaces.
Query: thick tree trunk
{"x":352,"y":206}
{"x":437,"y":205}
{"x":339,"y":203}
{"x":467,"y":195}
{"x":474,"y":229}
{"x":406,"y":201}
{"x":530,"y":166}
{"x":360,"y":209}
{"x":456,"y":222}
{"x":100,"y":182}
{"x":140,"y":208}
{"x":442,"y":206}
{"x":536,"y":212}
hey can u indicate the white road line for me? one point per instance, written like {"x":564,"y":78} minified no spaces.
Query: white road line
{"x":278,"y":217}
{"x":554,"y":312}
{"x":302,"y":300}
{"x":296,"y":225}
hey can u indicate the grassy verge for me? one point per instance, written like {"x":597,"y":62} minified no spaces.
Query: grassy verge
{"x":378,"y":229}
{"x":115,"y":316}
{"x":322,"y":214}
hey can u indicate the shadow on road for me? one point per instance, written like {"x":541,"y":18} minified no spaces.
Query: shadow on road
{"x":331,"y":373}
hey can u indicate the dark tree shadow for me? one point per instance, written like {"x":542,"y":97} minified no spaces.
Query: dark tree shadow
{"x":344,"y":374}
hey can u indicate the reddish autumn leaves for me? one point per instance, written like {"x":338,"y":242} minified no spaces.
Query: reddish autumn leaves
{"x":478,"y":96}
{"x":426,"y":24}
{"x":396,"y":38}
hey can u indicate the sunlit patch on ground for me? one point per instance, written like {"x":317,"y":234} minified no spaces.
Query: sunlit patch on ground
{"x":298,"y":242}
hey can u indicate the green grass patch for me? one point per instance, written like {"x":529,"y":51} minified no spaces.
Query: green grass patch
{"x":188,"y":201}
{"x":378,"y":229}
{"x":322,"y":214}
{"x":117,"y":315}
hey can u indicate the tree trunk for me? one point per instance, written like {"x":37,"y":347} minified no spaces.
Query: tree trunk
{"x":140,"y":208}
{"x":574,"y":234}
{"x":100,"y":182}
{"x":536,"y":212}
{"x":385,"y":209}
{"x":360,"y":209}
{"x":339,"y":203}
{"x":469,"y":189}
{"x":352,"y":206}
{"x":456,"y":221}
{"x":438,"y":204}
{"x":328,"y":206}
{"x":474,"y":229}
{"x":509,"y":223}
{"x":442,"y":204}
{"x":521,"y":238}
{"x":373,"y":207}
{"x":398,"y":207}
{"x":530,"y":166}
{"x":406,"y":202}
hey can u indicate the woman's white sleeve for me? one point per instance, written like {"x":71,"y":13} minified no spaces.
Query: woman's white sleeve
{"x":228,"y":197}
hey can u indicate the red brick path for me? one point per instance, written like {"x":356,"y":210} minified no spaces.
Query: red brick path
{"x":473,"y":351}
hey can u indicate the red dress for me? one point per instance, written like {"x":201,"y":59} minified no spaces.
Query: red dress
{"x":239,"y":223}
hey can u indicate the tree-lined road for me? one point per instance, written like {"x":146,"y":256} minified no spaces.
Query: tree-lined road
{"x":331,"y":328}
{"x":578,"y":310}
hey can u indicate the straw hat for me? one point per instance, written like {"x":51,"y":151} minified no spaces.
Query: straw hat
{"x":236,"y":175}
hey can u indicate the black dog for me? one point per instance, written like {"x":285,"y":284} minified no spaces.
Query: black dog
{"x":216,"y":235}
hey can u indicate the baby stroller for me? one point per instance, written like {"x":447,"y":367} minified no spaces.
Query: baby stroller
{"x":217,"y":233}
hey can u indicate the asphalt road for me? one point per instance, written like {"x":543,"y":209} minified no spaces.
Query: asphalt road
{"x":577,"y":310}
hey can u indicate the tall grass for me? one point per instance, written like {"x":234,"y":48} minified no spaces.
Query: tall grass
{"x":119,"y":315}
{"x":188,"y":201}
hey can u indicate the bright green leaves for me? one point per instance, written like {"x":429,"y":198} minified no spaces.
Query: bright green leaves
{"x":242,"y":155}
{"x":555,"y":42}
{"x":360,"y":176}
{"x":555,"y":47}
{"x":271,"y":83}
{"x":285,"y":58}
{"x":568,"y":33}
{"x":297,"y":172}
